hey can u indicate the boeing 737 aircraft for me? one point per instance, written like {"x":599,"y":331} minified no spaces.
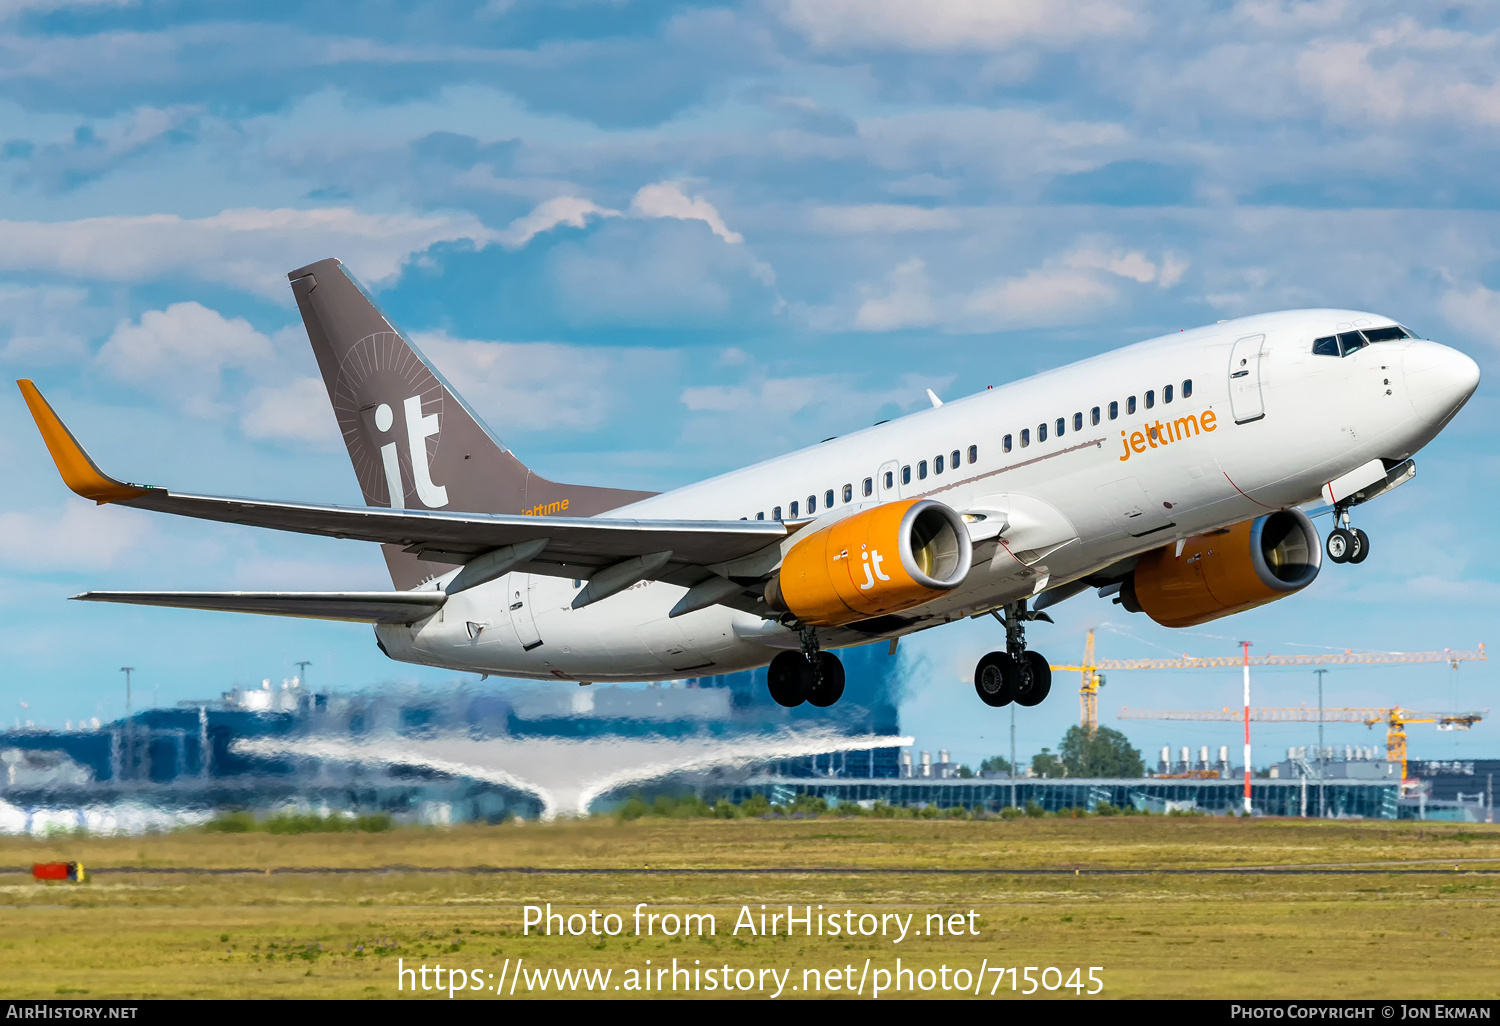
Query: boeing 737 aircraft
{"x":1168,"y":474}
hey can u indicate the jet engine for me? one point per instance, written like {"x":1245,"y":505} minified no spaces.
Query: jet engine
{"x":881,"y":560}
{"x":1226,"y":571}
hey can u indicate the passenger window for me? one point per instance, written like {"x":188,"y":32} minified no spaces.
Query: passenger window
{"x":812,"y":504}
{"x":849,"y":492}
{"x":828,"y":499}
{"x":1351,"y":341}
{"x":1041,"y":432}
{"x":1005,"y":443}
{"x":937,"y":464}
{"x":1025,"y":437}
{"x":1150,"y":398}
{"x":1077,"y":422}
{"x":1130,"y":405}
{"x":1187,"y":388}
{"x":869,"y":486}
{"x":1062,"y":422}
{"x":776,"y":513}
{"x":1166,"y":394}
{"x":1114,"y":411}
{"x":955,"y":461}
{"x":1094,"y":416}
{"x":890,"y":479}
{"x":794,"y":511}
{"x":921,"y":470}
{"x":760,"y":516}
{"x":906,"y":474}
{"x":973,"y":455}
{"x":1327,"y":346}
{"x":1385,"y":334}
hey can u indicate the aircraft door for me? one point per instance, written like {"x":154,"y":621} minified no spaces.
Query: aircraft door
{"x":888,"y":481}
{"x":519,"y":593}
{"x":1244,"y":379}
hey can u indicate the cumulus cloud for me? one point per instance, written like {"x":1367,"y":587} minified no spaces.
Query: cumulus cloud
{"x":80,"y":536}
{"x":527,"y":385}
{"x":182,"y":352}
{"x":298,"y":411}
{"x":250,"y":249}
{"x":906,"y":304}
{"x":1134,"y":265}
{"x":667,"y":199}
{"x":560,"y":210}
{"x":1044,"y":297}
{"x":939,"y":26}
{"x":45,"y":324}
{"x":1474,"y":311}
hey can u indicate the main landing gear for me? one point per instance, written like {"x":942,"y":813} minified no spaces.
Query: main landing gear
{"x":1015,"y":675}
{"x":811,"y":675}
{"x":1346,"y":544}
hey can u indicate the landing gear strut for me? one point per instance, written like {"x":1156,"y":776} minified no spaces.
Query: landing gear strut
{"x":1346,"y":544}
{"x":811,"y":676}
{"x":1015,"y":675}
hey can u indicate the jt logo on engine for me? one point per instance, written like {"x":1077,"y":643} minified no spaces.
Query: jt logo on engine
{"x":872,"y":559}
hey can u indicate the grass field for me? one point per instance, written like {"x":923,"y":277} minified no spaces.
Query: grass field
{"x":1400,"y":910}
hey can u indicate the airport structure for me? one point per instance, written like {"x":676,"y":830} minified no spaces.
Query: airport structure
{"x":279,"y":748}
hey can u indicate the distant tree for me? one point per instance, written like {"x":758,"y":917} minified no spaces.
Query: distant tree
{"x":1104,"y":753}
{"x":1048,"y":765}
{"x":995,"y":764}
{"x":964,"y":773}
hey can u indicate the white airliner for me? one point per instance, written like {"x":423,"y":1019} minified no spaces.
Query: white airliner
{"x":1168,"y":474}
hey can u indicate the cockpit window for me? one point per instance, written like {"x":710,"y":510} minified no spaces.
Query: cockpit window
{"x":1389,"y":334}
{"x":1349,"y":341}
{"x":1326,"y":346}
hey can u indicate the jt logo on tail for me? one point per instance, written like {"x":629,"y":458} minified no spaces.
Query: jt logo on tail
{"x":418,"y":430}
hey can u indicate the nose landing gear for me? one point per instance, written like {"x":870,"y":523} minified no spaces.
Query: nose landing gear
{"x":1346,"y":544}
{"x":811,"y":676}
{"x":1015,"y":675}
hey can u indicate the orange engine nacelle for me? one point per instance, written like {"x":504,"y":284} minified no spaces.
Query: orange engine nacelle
{"x":883,"y":560}
{"x":1226,"y":571}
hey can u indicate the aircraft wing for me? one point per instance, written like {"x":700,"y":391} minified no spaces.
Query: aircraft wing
{"x":357,"y":606}
{"x":676,"y":551}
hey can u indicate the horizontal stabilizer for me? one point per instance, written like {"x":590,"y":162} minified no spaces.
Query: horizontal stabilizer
{"x":358,"y":606}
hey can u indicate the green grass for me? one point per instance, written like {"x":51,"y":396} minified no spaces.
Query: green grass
{"x":268,"y":932}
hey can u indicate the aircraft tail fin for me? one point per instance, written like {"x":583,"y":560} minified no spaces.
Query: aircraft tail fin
{"x":412,"y":439}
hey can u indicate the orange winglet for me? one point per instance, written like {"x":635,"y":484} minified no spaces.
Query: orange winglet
{"x":77,"y":469}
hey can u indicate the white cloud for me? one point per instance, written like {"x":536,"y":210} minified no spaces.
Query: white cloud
{"x":13,"y":8}
{"x":298,"y":411}
{"x":1474,"y":311}
{"x":527,"y":385}
{"x":953,"y":25}
{"x":1044,"y":297}
{"x":1134,"y":265}
{"x":181,"y":352}
{"x":907,"y":304}
{"x":569,"y":210}
{"x":250,"y":249}
{"x":666,"y":199}
{"x":45,"y":324}
{"x":883,"y":219}
{"x":80,"y":536}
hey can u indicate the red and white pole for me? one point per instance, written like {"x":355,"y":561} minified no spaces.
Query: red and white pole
{"x":1246,"y":646}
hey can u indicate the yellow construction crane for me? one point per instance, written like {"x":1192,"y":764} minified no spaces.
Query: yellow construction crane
{"x":1088,"y":692}
{"x":1395,"y":719}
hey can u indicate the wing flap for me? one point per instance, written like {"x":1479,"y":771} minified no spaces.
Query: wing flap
{"x":356,"y":606}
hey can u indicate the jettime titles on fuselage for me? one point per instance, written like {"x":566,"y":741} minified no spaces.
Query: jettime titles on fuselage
{"x":1163,"y":433}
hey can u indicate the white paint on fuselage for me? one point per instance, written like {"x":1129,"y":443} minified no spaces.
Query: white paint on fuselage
{"x":1323,"y":416}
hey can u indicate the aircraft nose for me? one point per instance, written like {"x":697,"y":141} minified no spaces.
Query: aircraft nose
{"x":1439,"y":380}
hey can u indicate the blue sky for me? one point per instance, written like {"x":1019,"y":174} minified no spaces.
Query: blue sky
{"x":651,"y":242}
